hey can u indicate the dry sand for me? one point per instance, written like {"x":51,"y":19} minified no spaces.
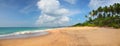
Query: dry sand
{"x":71,"y":36}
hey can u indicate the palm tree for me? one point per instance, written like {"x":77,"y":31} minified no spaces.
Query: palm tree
{"x":111,"y":10}
{"x":105,"y":10}
{"x":100,"y":10}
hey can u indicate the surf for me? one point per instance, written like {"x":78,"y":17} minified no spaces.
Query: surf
{"x":24,"y":34}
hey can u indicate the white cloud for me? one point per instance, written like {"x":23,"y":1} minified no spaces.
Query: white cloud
{"x":52,"y":14}
{"x":96,"y":3}
{"x":71,"y":1}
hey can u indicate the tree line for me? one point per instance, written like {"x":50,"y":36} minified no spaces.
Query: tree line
{"x":108,"y":16}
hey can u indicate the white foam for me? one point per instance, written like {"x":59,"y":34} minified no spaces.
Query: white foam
{"x":24,"y":33}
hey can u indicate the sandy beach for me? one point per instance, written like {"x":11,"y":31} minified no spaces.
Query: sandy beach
{"x":70,"y":36}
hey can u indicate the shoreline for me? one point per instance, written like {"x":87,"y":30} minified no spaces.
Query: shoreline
{"x":24,"y":34}
{"x":70,"y":36}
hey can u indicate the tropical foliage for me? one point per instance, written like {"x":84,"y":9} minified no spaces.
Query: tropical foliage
{"x":108,"y":16}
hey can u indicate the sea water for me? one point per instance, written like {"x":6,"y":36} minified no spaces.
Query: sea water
{"x":22,"y":32}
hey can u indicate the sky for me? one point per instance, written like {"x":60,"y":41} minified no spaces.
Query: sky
{"x":47,"y":13}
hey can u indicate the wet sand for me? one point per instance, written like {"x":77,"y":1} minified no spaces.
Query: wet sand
{"x":70,"y":36}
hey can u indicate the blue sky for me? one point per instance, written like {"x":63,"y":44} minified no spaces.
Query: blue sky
{"x":32,"y":13}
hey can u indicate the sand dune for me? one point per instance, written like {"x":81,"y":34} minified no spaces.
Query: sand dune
{"x":71,"y":36}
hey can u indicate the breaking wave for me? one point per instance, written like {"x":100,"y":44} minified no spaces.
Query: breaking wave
{"x":24,"y":34}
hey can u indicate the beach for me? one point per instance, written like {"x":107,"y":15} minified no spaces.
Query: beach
{"x":70,"y":36}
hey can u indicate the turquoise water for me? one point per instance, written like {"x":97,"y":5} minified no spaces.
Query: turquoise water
{"x":18,"y":32}
{"x":8,"y":30}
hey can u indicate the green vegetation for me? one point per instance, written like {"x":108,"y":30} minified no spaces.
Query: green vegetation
{"x":108,"y":16}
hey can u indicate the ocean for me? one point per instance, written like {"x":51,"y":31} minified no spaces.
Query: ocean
{"x":22,"y":32}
